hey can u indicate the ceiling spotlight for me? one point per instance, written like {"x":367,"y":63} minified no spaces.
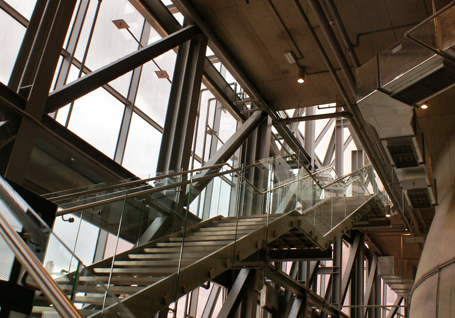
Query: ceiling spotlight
{"x":301,"y":78}
{"x":387,"y":215}
{"x":424,"y":106}
{"x":290,"y":58}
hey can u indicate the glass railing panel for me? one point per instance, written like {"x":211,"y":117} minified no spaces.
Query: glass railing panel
{"x":77,"y":281}
{"x":210,"y":248}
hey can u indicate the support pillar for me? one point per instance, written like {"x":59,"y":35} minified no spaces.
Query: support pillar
{"x":42,"y":79}
{"x":178,"y":131}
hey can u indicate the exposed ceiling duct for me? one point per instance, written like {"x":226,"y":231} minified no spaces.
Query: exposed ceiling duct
{"x":389,"y":88}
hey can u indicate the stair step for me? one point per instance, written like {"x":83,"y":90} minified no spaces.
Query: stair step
{"x":94,"y":300}
{"x":157,"y":272}
{"x":195,"y":244}
{"x":117,"y":290}
{"x":151,"y":264}
{"x":167,"y":256}
{"x":176,"y":249}
{"x":202,"y":238}
{"x":123,"y":280}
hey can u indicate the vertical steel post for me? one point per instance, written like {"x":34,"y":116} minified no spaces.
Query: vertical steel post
{"x":25,"y":139}
{"x":179,"y":125}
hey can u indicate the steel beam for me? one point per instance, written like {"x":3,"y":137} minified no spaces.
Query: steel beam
{"x":110,"y":72}
{"x":287,"y":121}
{"x":334,"y":44}
{"x":296,"y":307}
{"x":344,"y":34}
{"x":324,"y":132}
{"x":301,"y":291}
{"x":211,"y":301}
{"x":234,"y":142}
{"x":299,"y":255}
{"x":330,"y":150}
{"x":395,"y":307}
{"x":236,"y":294}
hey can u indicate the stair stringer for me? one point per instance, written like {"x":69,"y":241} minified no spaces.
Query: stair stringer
{"x":159,"y":295}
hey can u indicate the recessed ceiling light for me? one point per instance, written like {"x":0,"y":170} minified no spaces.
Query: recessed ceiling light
{"x":290,"y":58}
{"x":424,"y":106}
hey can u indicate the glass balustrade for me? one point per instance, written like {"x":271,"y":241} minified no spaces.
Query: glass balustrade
{"x":158,"y":236}
{"x":76,"y":281}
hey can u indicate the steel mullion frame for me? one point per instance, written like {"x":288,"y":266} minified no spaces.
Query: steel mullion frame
{"x":106,"y":74}
{"x":72,"y":44}
{"x":14,"y":13}
{"x":132,"y":94}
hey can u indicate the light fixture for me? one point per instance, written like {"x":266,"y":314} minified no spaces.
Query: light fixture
{"x":301,"y":78}
{"x":290,"y":58}
{"x":424,"y":106}
{"x":121,"y":24}
{"x":387,"y":215}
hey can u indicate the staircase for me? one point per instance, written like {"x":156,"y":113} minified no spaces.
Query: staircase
{"x":147,"y":278}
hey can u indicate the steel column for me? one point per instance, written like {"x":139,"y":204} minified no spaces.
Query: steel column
{"x":370,"y":283}
{"x":339,"y":151}
{"x":309,"y":136}
{"x":357,"y":281}
{"x":182,"y":109}
{"x":25,"y":139}
{"x":336,"y":280}
{"x":349,"y":267}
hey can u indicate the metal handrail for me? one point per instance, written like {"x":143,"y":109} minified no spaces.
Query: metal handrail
{"x":139,"y":193}
{"x":175,"y":174}
{"x":178,"y":184}
{"x":32,"y":265}
{"x":346,"y":176}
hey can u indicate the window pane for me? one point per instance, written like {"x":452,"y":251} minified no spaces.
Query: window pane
{"x":109,"y":43}
{"x":153,"y":93}
{"x":142,"y":148}
{"x":96,"y":118}
{"x":24,"y":7}
{"x":10,"y":43}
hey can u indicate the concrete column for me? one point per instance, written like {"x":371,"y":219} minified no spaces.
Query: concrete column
{"x":435,"y":280}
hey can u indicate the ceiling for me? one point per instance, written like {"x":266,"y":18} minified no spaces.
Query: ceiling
{"x":259,"y":32}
